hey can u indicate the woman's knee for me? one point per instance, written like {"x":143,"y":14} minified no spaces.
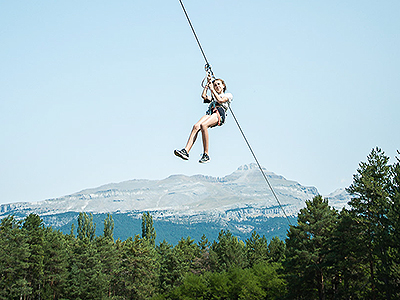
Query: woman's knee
{"x":196,"y":127}
{"x":203,"y":127}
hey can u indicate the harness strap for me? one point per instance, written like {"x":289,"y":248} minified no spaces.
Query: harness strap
{"x":215,"y":110}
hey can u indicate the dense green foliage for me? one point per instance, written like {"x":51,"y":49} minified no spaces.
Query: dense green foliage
{"x":352,"y":254}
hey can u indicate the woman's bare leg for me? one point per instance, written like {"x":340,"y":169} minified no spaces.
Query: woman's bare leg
{"x":194,"y":132}
{"x":209,"y":122}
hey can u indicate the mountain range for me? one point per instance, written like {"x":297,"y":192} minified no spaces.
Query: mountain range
{"x":185,"y":205}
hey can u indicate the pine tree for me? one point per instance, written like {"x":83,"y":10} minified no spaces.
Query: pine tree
{"x":168,"y":273}
{"x":56,"y":258}
{"x":110,"y":261}
{"x":256,"y":249}
{"x":227,"y":252}
{"x":307,"y":248}
{"x":201,"y":263}
{"x":276,"y":250}
{"x":347,"y":271}
{"x":185,"y":252}
{"x":86,"y":279}
{"x":148,"y":231}
{"x":86,"y":227}
{"x":394,"y":233}
{"x":108,"y":231}
{"x":370,"y":207}
{"x":14,"y":260}
{"x":34,"y":229}
{"x":139,"y":269}
{"x":109,"y":256}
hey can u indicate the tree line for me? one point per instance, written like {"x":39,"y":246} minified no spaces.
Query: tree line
{"x":351,"y":254}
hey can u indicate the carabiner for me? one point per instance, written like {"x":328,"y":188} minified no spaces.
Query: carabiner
{"x":207,"y":68}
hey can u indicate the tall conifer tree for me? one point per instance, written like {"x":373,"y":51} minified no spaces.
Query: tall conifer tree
{"x":307,"y":248}
{"x":108,"y":231}
{"x":86,"y":227}
{"x":370,"y":207}
{"x":148,"y":231}
{"x":14,"y":260}
{"x":34,"y":229}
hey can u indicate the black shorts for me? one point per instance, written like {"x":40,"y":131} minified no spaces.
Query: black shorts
{"x":221,"y":113}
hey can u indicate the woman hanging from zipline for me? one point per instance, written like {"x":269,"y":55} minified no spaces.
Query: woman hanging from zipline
{"x":215,"y":115}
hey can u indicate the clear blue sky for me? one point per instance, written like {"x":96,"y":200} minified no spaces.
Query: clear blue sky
{"x":95,"y":92}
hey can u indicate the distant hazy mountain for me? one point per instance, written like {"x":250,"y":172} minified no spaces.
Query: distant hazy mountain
{"x":241,"y":202}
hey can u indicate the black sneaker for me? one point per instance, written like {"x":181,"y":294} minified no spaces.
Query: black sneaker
{"x":182,"y":154}
{"x":204,"y":159}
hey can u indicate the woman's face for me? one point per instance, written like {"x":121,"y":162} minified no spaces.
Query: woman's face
{"x":219,"y":86}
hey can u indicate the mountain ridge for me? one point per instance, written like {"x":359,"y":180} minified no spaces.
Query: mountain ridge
{"x":245,"y":186}
{"x":240,"y":201}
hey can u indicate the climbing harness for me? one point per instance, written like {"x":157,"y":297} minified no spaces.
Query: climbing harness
{"x":209,"y":71}
{"x":213,"y":108}
{"x":217,"y":108}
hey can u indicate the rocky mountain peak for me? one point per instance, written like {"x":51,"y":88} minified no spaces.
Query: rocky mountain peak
{"x":247,"y":167}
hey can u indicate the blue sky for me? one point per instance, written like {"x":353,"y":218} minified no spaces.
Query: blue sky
{"x":96,"y":92}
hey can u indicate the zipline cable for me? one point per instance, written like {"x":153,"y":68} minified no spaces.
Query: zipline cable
{"x":208,"y":69}
{"x":195,"y":35}
{"x":259,"y":166}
